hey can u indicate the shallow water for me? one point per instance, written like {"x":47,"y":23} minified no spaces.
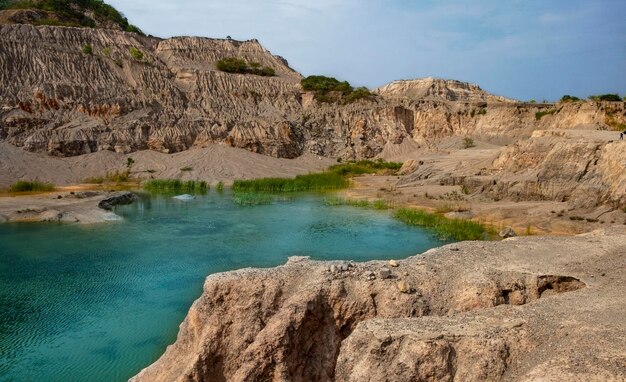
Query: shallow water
{"x":100,"y":302}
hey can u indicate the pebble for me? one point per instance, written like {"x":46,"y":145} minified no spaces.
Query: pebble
{"x":333,"y":268}
{"x":404,"y":287}
{"x":384,"y":273}
{"x":393,"y":263}
{"x":370,"y":275}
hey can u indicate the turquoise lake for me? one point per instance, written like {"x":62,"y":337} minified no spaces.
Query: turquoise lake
{"x":101,"y":302}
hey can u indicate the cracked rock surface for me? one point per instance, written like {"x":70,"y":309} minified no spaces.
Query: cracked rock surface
{"x":523,"y":309}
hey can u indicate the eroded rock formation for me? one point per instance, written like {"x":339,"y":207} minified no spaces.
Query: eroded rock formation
{"x":481,"y":311}
{"x":169,"y":97}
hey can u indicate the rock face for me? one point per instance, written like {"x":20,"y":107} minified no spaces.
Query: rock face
{"x":482,"y":311}
{"x":438,"y":89}
{"x":58,"y":100}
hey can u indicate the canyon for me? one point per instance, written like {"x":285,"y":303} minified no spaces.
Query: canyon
{"x":523,"y":309}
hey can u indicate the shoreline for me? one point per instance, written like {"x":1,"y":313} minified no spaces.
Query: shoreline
{"x":541,"y":216}
{"x":77,"y":203}
{"x":59,"y":206}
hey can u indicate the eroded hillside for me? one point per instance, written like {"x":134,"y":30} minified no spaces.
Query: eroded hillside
{"x":128,"y":93}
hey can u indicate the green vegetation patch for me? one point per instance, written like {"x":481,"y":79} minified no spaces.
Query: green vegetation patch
{"x":365,"y":167}
{"x":542,"y":113}
{"x":606,"y":97}
{"x":236,"y":65}
{"x":309,"y":182}
{"x":136,"y":54}
{"x":176,"y":185}
{"x":252,"y":198}
{"x":30,"y":186}
{"x":336,"y":177}
{"x":446,"y":228}
{"x":569,"y":98}
{"x":87,"y":49}
{"x":73,"y":12}
{"x":331,"y":90}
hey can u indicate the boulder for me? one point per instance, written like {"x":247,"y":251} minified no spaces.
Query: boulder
{"x":117,"y":199}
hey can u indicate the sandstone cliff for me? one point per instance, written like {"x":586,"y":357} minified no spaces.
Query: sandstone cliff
{"x":521,"y":309}
{"x":57,"y":100}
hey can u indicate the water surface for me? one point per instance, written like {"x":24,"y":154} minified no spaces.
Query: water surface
{"x":100,"y":302}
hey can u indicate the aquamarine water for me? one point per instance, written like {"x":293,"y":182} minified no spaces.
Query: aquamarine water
{"x":100,"y":302}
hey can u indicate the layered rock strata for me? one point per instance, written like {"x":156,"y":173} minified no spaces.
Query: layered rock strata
{"x":169,"y":97}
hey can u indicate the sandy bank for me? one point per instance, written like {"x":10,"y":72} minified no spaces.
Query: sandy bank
{"x":67,"y":207}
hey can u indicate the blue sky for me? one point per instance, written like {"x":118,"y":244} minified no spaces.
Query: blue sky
{"x":533,"y":49}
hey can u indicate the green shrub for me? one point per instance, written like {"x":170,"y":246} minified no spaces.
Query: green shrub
{"x":176,"y":185}
{"x":231,"y":65}
{"x":236,"y":65}
{"x":73,"y":12}
{"x":220,"y":186}
{"x":331,"y":90}
{"x":136,"y":53}
{"x":569,"y":98}
{"x":87,"y":49}
{"x":444,"y":227}
{"x":606,"y":97}
{"x":29,"y":186}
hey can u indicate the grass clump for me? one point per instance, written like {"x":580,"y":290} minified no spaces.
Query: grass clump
{"x":176,"y":185}
{"x":87,"y":49}
{"x":336,"y":177}
{"x":136,"y":53}
{"x":446,"y":228}
{"x":252,"y":198}
{"x":236,"y":65}
{"x":365,"y":167}
{"x":309,"y":182}
{"x":334,"y":201}
{"x":31,"y":186}
{"x":468,"y":143}
{"x":569,"y":98}
{"x":220,"y":187}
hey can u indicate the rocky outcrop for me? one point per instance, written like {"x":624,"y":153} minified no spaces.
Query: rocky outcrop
{"x":117,"y":199}
{"x":58,"y":100}
{"x":438,"y":89}
{"x":468,"y":311}
{"x":557,"y":165}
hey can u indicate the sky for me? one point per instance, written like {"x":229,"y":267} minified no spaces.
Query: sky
{"x":532,"y":49}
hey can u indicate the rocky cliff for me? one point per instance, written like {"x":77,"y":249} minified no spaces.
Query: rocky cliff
{"x":521,"y":309}
{"x":134,"y":93}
